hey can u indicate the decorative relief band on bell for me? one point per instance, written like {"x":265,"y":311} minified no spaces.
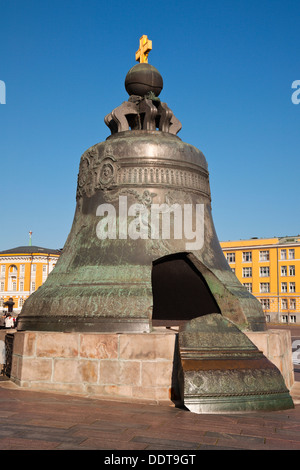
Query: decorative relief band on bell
{"x":163,"y":176}
{"x":110,"y":174}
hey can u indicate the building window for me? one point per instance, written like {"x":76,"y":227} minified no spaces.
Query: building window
{"x":44,"y":273}
{"x":13,"y":270}
{"x":247,"y":256}
{"x":248,"y":286}
{"x":293,"y":304}
{"x":2,"y":286}
{"x":33,"y":268}
{"x":292,"y":318}
{"x":292,"y":270}
{"x":284,"y":319}
{"x":265,"y":303}
{"x":21,"y":302}
{"x":283,"y":270}
{"x":292,"y":287}
{"x":230,"y":257}
{"x":264,"y":287}
{"x":12,"y":278}
{"x":21,"y":286}
{"x":268,"y":318}
{"x":264,"y":255}
{"x":247,"y":272}
{"x":282,"y":254}
{"x":264,"y":271}
{"x":284,"y":287}
{"x":284,"y":304}
{"x":3,"y":270}
{"x":291,"y":253}
{"x":33,"y":286}
{"x":22,"y":270}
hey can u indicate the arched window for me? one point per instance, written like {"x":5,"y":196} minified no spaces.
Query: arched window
{"x":12,"y":277}
{"x":13,"y":270}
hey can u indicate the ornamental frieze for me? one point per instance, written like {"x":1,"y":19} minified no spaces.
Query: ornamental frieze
{"x":108,"y":174}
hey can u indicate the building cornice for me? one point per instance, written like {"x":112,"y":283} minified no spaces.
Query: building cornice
{"x":253,"y":247}
{"x":28,"y":258}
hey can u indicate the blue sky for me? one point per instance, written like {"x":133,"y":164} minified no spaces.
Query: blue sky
{"x":227,"y":66}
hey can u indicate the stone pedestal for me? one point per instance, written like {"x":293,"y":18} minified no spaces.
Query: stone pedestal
{"x":276,"y":345}
{"x":118,"y":366}
{"x":131,"y":366}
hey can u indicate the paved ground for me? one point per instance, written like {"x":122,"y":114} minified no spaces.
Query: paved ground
{"x":32,"y":420}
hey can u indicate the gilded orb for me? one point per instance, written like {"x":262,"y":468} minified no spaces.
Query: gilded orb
{"x":142,"y":79}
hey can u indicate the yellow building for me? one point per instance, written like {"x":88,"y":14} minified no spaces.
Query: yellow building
{"x":270,"y":269}
{"x":22,"y":271}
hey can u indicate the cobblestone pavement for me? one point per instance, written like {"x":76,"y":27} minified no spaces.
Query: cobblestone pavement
{"x":31,"y":420}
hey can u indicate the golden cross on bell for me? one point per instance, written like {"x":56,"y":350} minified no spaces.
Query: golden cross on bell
{"x":145,"y":47}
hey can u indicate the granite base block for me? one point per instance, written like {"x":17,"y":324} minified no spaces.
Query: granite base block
{"x":139,"y":366}
{"x":135,"y":366}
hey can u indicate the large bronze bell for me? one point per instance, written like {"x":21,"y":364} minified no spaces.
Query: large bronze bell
{"x":143,"y":251}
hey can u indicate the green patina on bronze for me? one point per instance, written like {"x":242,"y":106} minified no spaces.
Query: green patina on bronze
{"x":224,"y":371}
